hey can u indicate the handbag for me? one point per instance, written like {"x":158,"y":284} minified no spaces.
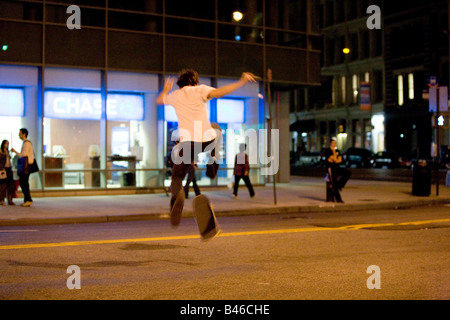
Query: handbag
{"x":3,"y":174}
{"x":23,"y":167}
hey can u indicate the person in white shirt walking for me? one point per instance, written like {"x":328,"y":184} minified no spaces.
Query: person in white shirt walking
{"x":196,"y":133}
{"x":27,"y":151}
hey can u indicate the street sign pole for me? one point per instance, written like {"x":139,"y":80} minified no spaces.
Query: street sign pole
{"x":437,"y":141}
{"x":269,"y":123}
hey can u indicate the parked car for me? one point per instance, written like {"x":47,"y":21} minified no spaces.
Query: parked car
{"x":309,"y":159}
{"x":357,"y":157}
{"x":385,"y":159}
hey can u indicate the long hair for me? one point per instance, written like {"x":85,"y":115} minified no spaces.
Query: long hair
{"x":187,"y":77}
{"x":3,"y":145}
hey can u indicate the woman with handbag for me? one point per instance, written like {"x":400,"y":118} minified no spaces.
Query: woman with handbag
{"x":7,"y":186}
{"x":26,"y":159}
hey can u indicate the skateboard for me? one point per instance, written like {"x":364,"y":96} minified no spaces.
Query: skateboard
{"x":206,"y":220}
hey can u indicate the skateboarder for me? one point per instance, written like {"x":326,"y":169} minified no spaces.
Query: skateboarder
{"x":196,"y":136}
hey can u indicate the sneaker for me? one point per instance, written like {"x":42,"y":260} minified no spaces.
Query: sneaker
{"x":27,"y":204}
{"x":234,"y":196}
{"x":176,"y":209}
{"x":254,"y":195}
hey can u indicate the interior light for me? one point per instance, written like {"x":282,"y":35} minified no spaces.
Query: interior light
{"x":4,"y":47}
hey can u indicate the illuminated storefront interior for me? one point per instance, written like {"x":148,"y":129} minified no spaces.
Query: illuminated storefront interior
{"x":83,"y":141}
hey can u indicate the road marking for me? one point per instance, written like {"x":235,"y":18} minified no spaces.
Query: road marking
{"x":229,"y":234}
{"x":10,"y":231}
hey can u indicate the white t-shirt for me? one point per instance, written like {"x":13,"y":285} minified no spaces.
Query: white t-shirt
{"x":190,"y":106}
{"x":27,"y":151}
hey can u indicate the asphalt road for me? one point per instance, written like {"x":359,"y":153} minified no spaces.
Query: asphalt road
{"x":402,"y":254}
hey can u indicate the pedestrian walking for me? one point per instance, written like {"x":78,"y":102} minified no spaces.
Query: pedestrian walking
{"x":241,"y":171}
{"x":337,"y":176}
{"x":196,"y":132}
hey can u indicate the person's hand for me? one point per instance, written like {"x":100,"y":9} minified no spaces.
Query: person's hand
{"x":248,"y":77}
{"x":13,"y":150}
{"x":168,"y":84}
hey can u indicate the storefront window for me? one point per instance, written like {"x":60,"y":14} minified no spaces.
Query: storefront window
{"x":72,"y":139}
{"x":125,"y":114}
{"x":73,"y":144}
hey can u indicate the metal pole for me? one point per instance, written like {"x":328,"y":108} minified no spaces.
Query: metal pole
{"x":269,"y":123}
{"x":437,"y":141}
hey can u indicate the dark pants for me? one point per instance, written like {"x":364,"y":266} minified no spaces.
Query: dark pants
{"x":339,"y":177}
{"x":191,"y":178}
{"x":247,"y":183}
{"x":7,"y":186}
{"x":24,"y":182}
{"x":180,"y":168}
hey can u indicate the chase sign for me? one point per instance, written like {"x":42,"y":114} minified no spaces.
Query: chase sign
{"x":76,"y":105}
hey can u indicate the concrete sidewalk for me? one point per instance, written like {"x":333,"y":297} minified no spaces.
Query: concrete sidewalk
{"x":302,"y":194}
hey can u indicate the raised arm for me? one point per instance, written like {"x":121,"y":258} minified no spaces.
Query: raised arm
{"x":167,"y":87}
{"x":223,"y":91}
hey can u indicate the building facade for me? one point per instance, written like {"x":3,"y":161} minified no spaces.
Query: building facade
{"x":349,"y":105}
{"x":416,"y":50}
{"x":82,"y":76}
{"x":375,"y":94}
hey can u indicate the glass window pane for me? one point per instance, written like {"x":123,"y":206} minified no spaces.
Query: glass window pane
{"x":251,"y":11}
{"x":77,"y":51}
{"x":132,"y":21}
{"x":411,"y":86}
{"x":201,"y":9}
{"x":91,"y":3}
{"x":400,"y":89}
{"x":285,"y":14}
{"x":72,"y":139}
{"x":24,"y":42}
{"x":190,"y":53}
{"x":153,"y":6}
{"x":134,"y":51}
{"x":250,"y":59}
{"x":190,"y":28}
{"x":240,"y":33}
{"x":286,"y":39}
{"x":20,"y":10}
{"x":89,"y":17}
{"x":70,"y":148}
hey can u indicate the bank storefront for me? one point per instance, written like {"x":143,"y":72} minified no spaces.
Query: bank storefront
{"x":100,"y":132}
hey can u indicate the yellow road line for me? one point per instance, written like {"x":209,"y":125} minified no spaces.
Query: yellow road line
{"x":229,"y":234}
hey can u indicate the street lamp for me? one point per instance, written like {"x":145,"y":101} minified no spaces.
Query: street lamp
{"x":346,"y":50}
{"x":237,"y":16}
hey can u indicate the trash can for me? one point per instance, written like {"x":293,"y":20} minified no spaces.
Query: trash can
{"x":128,"y":179}
{"x":421,"y":181}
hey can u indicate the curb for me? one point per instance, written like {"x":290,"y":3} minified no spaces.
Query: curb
{"x":327,"y":207}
